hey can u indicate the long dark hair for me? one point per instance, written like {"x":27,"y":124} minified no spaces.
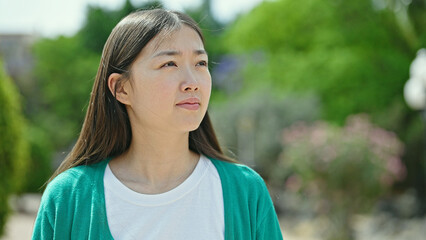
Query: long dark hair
{"x":106,"y":129}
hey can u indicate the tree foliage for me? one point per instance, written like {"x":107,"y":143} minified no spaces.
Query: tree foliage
{"x":65,"y":71}
{"x":101,"y":21}
{"x":348,"y":52}
{"x":13,"y":145}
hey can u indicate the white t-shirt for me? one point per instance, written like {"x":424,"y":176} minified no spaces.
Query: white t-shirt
{"x":192,"y":210}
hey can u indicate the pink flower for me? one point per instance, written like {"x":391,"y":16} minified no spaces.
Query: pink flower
{"x":293,"y":183}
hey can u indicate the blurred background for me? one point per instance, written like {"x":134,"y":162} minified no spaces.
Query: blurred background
{"x":326,"y":99}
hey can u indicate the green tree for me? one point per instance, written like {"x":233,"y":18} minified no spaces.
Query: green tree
{"x":65,"y":71}
{"x":417,"y":14}
{"x":13,"y":145}
{"x":100,"y":22}
{"x":349,"y":53}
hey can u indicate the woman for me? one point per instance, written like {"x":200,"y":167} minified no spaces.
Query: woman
{"x":147,"y":164}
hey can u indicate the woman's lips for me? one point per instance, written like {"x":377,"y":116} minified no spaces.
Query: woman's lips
{"x":190,"y":103}
{"x":189,"y":106}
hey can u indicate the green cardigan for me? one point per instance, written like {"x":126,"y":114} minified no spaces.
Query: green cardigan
{"x":73,"y":205}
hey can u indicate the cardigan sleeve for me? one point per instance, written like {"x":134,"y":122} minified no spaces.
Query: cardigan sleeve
{"x":43,"y":228}
{"x":268,"y":226}
{"x":54,"y":217}
{"x":73,"y":207}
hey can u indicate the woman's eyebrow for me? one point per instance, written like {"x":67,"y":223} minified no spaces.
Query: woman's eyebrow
{"x":200,"y":52}
{"x":174,"y":53}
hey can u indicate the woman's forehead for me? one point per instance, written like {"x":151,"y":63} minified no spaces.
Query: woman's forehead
{"x":180,"y":39}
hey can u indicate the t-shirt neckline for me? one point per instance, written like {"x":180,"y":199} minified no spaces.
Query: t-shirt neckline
{"x":115,"y":186}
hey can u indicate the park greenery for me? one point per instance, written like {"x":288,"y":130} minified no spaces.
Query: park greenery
{"x":352,"y":55}
{"x":284,"y":61}
{"x":355,"y":55}
{"x":14,"y":146}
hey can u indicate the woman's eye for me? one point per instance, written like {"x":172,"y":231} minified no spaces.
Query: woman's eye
{"x":169,"y":64}
{"x":202,"y":63}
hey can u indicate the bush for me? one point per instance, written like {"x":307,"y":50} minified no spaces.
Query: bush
{"x":40,"y":159}
{"x":250,"y":125}
{"x":13,"y":147}
{"x":346,"y":169}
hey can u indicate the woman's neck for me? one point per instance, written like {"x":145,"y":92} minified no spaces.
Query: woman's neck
{"x":155,"y":162}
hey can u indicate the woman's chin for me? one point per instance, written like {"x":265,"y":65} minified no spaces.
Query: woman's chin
{"x":193,"y":128}
{"x":189,"y":127}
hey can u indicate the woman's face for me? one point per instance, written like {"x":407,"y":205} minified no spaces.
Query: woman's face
{"x":170,"y":83}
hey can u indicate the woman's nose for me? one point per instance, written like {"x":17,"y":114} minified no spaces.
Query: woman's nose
{"x":190,"y":82}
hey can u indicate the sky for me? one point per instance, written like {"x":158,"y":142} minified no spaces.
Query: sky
{"x":51,"y":18}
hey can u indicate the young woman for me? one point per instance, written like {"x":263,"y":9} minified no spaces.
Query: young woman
{"x":147,"y":164}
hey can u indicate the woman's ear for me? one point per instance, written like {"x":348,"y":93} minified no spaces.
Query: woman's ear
{"x":118,"y":89}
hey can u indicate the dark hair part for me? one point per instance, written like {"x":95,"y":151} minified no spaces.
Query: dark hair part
{"x":106,"y":129}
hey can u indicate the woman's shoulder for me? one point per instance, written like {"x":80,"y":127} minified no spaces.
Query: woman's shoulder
{"x":237,"y":172}
{"x":76,"y":179}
